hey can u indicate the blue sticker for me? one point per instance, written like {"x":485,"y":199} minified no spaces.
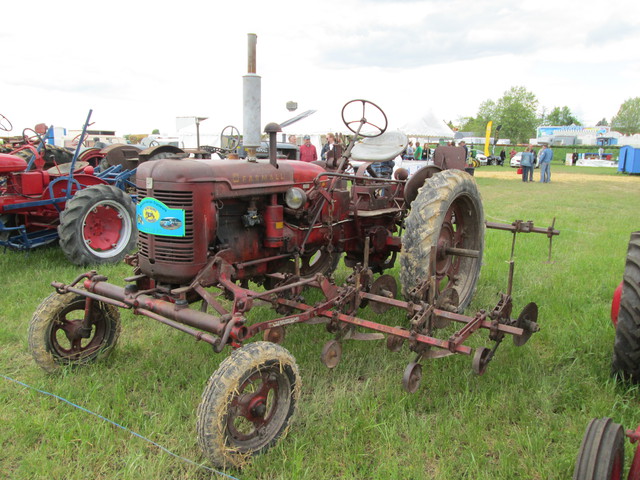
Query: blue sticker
{"x":155,"y":218}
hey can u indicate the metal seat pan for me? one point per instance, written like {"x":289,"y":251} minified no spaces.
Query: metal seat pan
{"x":380,"y":149}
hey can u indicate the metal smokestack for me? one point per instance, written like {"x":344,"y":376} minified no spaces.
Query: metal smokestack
{"x":251,"y":102}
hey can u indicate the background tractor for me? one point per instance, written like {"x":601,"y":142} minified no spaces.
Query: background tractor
{"x":47,"y":193}
{"x":601,"y":454}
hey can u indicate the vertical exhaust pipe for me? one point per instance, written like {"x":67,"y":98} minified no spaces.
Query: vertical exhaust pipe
{"x":251,"y":98}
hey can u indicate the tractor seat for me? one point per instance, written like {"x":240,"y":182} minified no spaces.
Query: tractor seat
{"x":64,"y":168}
{"x":380,"y":149}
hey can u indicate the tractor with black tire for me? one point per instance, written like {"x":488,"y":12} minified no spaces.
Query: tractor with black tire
{"x":601,"y":454}
{"x":49,"y":194}
{"x":209,"y":227}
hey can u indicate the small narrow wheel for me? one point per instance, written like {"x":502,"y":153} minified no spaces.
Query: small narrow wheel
{"x":601,"y":455}
{"x":481,"y":360}
{"x":248,"y":404}
{"x":58,"y":337}
{"x":331,"y":353}
{"x":412,"y":377}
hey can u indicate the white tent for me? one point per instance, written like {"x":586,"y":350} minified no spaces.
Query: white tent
{"x":427,"y":126}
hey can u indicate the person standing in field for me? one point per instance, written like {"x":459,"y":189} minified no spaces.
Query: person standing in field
{"x":463,"y":144}
{"x":308,"y":151}
{"x":526,"y":163}
{"x":545,"y":157}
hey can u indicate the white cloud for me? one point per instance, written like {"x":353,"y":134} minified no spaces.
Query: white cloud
{"x":141,"y":64}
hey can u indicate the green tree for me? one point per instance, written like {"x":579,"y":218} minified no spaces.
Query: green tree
{"x":155,"y":132}
{"x":627,"y":120}
{"x":516,"y":112}
{"x":561,"y":116}
{"x":602,"y":123}
{"x":478,"y":124}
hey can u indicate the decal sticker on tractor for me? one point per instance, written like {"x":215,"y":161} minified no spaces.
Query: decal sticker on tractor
{"x":155,"y":218}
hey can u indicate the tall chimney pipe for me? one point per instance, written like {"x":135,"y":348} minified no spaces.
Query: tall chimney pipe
{"x":251,"y":102}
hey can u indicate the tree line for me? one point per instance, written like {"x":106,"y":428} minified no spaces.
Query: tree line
{"x":517,"y":111}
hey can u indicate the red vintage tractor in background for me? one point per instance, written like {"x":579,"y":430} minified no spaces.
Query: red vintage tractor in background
{"x":48,"y":193}
{"x":601,"y":454}
{"x":207,"y":228}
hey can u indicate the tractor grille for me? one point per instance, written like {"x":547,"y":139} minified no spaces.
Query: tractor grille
{"x":170,"y":249}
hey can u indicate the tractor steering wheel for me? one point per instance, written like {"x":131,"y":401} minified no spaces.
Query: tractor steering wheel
{"x":378,"y":116}
{"x":31,"y":138}
{"x":234,"y":137}
{"x":76,"y":140}
{"x":5,"y":124}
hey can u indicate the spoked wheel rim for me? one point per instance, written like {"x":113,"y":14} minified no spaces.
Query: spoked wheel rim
{"x":460,"y":231}
{"x":66,"y":340}
{"x":259,"y":407}
{"x":106,"y":229}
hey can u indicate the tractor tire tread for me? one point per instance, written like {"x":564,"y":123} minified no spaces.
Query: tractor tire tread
{"x":626,"y":348}
{"x":422,"y":228}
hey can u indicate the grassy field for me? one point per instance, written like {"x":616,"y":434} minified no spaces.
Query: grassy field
{"x":524,"y":418}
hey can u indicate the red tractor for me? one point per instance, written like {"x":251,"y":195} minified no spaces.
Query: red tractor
{"x":47,"y":193}
{"x":208,"y":227}
{"x":601,"y":454}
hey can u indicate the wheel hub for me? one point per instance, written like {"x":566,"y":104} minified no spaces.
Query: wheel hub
{"x":102,"y":228}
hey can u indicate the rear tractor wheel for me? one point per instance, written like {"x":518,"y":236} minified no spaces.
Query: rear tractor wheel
{"x":626,"y":348}
{"x":444,"y":236}
{"x":98,"y":226}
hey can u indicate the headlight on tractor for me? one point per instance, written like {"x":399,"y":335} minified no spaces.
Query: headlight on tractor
{"x":295,"y":198}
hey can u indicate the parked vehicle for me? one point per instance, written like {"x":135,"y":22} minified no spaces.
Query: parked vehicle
{"x":42,"y":200}
{"x":601,"y":454}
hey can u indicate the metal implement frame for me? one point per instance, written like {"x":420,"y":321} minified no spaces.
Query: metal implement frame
{"x":336,"y":309}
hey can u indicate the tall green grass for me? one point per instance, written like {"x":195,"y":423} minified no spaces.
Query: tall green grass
{"x":524,"y":418}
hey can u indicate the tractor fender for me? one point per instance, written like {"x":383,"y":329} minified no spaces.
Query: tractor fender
{"x":417,"y":180}
{"x":151,"y":152}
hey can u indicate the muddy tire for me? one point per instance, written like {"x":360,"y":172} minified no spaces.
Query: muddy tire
{"x":248,"y":404}
{"x":626,"y":348}
{"x":601,"y":455}
{"x":446,"y":213}
{"x":98,"y":226}
{"x":55,"y":335}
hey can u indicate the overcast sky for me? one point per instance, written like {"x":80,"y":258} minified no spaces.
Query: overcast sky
{"x":141,"y":64}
